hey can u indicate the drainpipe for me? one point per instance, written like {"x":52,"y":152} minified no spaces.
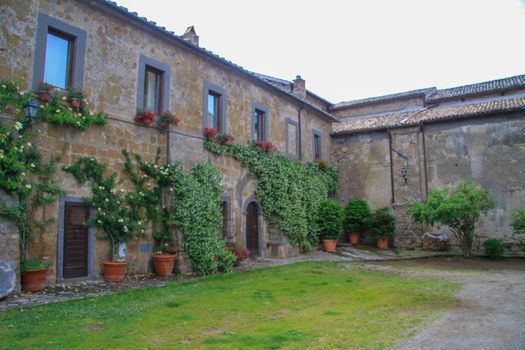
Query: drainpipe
{"x":300,"y":150}
{"x":392,"y":199}
{"x":422,"y":129}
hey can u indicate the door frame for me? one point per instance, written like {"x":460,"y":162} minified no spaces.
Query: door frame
{"x":249,"y":200}
{"x":60,"y":249}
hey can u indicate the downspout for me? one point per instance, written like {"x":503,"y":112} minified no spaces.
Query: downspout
{"x":422,"y":129}
{"x":392,"y":199}
{"x":300,"y":151}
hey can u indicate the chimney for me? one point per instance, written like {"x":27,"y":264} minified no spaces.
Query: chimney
{"x":191,"y":36}
{"x":299,"y":87}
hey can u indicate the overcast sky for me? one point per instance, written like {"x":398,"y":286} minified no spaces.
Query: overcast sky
{"x":347,"y":50}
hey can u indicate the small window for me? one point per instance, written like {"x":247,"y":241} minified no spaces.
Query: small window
{"x":292,"y":138}
{"x":224,"y":220}
{"x":59,"y":53}
{"x":259,"y":123}
{"x":153,"y":90}
{"x":214,"y":108}
{"x":153,"y":85}
{"x":317,"y":145}
{"x":58,"y":65}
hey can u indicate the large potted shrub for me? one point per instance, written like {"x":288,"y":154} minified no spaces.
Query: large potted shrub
{"x":34,"y":274}
{"x":458,"y":207}
{"x":382,"y":227}
{"x":330,"y":223}
{"x":357,"y":215}
{"x":163,"y":259}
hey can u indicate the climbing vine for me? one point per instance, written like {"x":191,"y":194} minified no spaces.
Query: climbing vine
{"x":290,"y":192}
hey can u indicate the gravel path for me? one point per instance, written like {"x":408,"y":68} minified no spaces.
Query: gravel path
{"x":491,"y":314}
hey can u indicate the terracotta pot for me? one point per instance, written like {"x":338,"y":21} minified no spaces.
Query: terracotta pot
{"x":164,"y":264}
{"x":34,"y":280}
{"x":45,"y":95}
{"x":74,"y":103}
{"x":114,"y":271}
{"x":354,"y":238}
{"x":382,"y":243}
{"x":329,"y":245}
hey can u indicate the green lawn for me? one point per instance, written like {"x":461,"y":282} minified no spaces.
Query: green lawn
{"x":302,"y":306}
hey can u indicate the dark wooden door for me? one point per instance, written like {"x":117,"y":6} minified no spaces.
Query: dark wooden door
{"x":252,"y":229}
{"x":75,"y":240}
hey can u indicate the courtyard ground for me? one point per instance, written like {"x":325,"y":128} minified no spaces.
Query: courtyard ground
{"x":434,"y":303}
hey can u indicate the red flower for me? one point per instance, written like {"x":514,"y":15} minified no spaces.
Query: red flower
{"x":210,"y":133}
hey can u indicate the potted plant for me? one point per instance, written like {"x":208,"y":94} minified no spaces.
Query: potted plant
{"x":75,"y":98}
{"x":163,"y":259}
{"x":34,"y":274}
{"x":382,"y":227}
{"x":330,"y":222}
{"x":44,"y":91}
{"x":144,"y":117}
{"x":210,"y":133}
{"x":224,"y":139}
{"x":264,"y":146}
{"x":357,"y":215}
{"x":166,"y":119}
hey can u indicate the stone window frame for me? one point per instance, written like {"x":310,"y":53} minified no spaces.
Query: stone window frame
{"x":318,"y":133}
{"x":207,"y":88}
{"x":266,"y":126}
{"x":287,"y":122}
{"x":166,"y":80}
{"x":228,"y":228}
{"x":79,"y":36}
{"x":91,"y":241}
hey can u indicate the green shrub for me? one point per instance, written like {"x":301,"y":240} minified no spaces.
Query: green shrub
{"x":458,"y":207}
{"x":330,"y":219}
{"x":382,"y":223}
{"x":493,"y":249}
{"x":32,"y":264}
{"x":357,"y":215}
{"x":518,"y":224}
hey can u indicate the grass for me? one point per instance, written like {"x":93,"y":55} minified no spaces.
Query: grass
{"x":302,"y":306}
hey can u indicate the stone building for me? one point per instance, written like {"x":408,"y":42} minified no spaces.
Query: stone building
{"x":123,"y":62}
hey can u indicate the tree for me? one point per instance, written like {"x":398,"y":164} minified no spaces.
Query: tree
{"x":457,"y":207}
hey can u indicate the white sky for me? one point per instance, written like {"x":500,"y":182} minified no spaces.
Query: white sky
{"x":354,"y":49}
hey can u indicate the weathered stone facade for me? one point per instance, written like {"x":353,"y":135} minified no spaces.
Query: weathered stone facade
{"x":370,"y":141}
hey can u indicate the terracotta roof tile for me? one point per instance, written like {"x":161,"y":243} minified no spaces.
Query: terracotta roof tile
{"x":443,"y":112}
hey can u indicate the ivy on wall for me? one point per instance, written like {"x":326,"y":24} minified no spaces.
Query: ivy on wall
{"x":290,"y":191}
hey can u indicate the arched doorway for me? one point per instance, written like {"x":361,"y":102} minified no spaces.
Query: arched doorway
{"x":252,"y":229}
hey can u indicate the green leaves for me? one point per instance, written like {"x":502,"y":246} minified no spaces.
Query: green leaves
{"x":357,"y":214}
{"x":458,"y":207}
{"x":330,"y":219}
{"x":290,"y":192}
{"x":381,"y":223}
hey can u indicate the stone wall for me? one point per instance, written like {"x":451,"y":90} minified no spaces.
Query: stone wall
{"x":488,"y":149}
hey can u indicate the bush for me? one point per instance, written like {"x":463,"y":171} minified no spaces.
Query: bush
{"x":382,"y":223}
{"x":518,"y":224}
{"x":330,"y":219}
{"x":493,"y":249}
{"x":458,"y":207}
{"x":357,"y":215}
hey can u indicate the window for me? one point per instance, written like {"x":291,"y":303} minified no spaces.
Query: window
{"x":59,"y":53}
{"x":214,"y":112}
{"x":153,"y":85}
{"x":259,"y":123}
{"x":152,"y":89}
{"x":58,"y":64}
{"x":292,"y":138}
{"x":317,"y":145}
{"x":224,"y":219}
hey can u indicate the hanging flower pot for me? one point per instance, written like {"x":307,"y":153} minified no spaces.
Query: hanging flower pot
{"x":354,"y":238}
{"x":34,"y":280}
{"x":114,"y":271}
{"x":164,"y":264}
{"x":74,"y":103}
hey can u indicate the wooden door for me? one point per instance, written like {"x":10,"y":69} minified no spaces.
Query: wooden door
{"x":252,"y":229}
{"x":75,"y":240}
